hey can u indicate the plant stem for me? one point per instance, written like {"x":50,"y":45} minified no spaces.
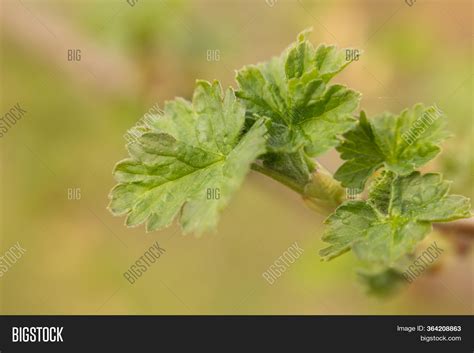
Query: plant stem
{"x":292,"y":184}
{"x":461,"y":226}
{"x":321,"y":193}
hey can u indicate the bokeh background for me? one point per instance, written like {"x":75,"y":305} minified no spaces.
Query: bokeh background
{"x":133,"y":57}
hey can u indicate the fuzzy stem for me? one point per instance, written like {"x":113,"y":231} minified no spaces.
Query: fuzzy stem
{"x":292,"y":184}
{"x":321,"y":193}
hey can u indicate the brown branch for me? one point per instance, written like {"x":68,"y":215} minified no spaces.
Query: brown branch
{"x":323,"y":194}
{"x":462,"y":226}
{"x":461,"y":234}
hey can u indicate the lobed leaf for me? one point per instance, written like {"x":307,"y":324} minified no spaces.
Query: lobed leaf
{"x":306,"y":114}
{"x":193,"y":148}
{"x":396,"y":216}
{"x":399,"y":143}
{"x":383,"y":283}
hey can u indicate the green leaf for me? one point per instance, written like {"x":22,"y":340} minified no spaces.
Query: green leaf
{"x":396,"y":216}
{"x":307,"y":115}
{"x":380,"y":191}
{"x":195,"y":148}
{"x":383,"y":283}
{"x":400,"y":144}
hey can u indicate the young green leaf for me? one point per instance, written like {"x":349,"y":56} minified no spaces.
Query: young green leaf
{"x":306,"y":113}
{"x":399,"y":143}
{"x":382,"y":230}
{"x":383,"y":283}
{"x":192,"y":149}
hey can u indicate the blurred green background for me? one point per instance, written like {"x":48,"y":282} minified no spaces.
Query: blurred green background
{"x":133,"y":57}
